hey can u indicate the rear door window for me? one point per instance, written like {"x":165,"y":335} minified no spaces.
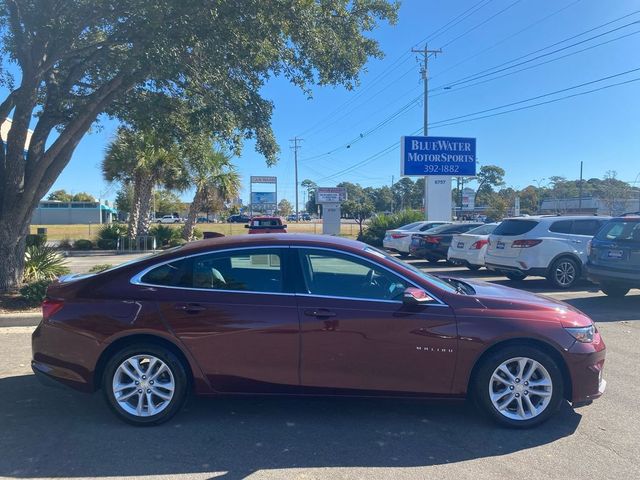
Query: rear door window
{"x":511,"y":228}
{"x":561,"y":226}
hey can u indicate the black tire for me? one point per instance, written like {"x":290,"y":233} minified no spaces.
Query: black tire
{"x":433,"y":260}
{"x":481,"y":384}
{"x":515,"y":276}
{"x":180,"y":377}
{"x":403,"y":255}
{"x":474,"y":268}
{"x":615,"y":291}
{"x":564,"y":273}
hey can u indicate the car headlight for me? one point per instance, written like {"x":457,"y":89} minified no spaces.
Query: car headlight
{"x":582,"y":334}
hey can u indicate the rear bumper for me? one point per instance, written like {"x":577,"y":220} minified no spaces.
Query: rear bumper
{"x":537,"y":272}
{"x":608,"y":275}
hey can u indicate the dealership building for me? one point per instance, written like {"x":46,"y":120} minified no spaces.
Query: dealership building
{"x":50,"y":212}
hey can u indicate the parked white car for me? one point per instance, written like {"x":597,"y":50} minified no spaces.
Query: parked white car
{"x":169,"y":219}
{"x":398,"y":240}
{"x":546,"y":246}
{"x":469,"y":248}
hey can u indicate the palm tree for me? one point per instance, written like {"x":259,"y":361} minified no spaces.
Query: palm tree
{"x":142,"y":159}
{"x":214,"y":177}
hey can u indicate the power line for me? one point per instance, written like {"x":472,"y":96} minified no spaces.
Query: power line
{"x":463,"y":119}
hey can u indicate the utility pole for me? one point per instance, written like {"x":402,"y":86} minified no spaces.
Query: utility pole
{"x":392,"y":179}
{"x":426,"y":53}
{"x":295,"y":148}
{"x":580,"y":190}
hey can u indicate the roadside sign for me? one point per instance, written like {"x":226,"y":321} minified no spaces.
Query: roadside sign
{"x":331,"y":194}
{"x":263,"y":179}
{"x":442,"y":156}
{"x":262,"y":198}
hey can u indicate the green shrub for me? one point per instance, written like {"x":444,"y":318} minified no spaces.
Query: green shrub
{"x":83,"y":244}
{"x":35,"y":240}
{"x":112,"y":231}
{"x":375,"y":230}
{"x":174,"y":242}
{"x":65,"y":244}
{"x":43,"y":263}
{"x":197,"y":234}
{"x":107,"y":244}
{"x":164,"y":234}
{"x":34,"y":292}
{"x":101,"y":267}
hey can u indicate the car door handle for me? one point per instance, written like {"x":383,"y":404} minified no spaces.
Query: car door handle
{"x":190,"y":307}
{"x":320,"y":313}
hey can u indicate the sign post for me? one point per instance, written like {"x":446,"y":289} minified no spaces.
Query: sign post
{"x":330,"y":198}
{"x":438,"y":159}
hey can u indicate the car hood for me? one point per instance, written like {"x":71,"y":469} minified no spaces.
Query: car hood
{"x":511,"y":300}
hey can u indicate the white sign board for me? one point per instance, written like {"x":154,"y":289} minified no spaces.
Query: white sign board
{"x":264,"y":179}
{"x":438,"y":197}
{"x":331,"y":194}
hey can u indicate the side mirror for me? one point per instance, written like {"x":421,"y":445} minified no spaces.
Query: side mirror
{"x":415,"y":296}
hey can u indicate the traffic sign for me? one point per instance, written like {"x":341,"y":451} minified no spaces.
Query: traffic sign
{"x":442,"y":156}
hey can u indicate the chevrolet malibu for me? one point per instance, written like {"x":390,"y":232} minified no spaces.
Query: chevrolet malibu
{"x":310,"y":315}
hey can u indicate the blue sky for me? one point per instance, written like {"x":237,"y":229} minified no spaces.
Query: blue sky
{"x":602,"y":129}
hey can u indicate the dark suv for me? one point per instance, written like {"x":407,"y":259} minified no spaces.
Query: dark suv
{"x":614,"y":256}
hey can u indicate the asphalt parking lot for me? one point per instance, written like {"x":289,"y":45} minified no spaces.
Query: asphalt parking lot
{"x":47,"y":433}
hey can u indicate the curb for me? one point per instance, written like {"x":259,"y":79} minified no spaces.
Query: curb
{"x":20,"y":319}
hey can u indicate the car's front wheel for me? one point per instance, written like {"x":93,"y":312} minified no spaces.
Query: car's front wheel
{"x":145,"y":384}
{"x":519,"y":386}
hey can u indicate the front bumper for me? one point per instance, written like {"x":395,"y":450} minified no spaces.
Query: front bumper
{"x":585,"y":362}
{"x":605,"y":275}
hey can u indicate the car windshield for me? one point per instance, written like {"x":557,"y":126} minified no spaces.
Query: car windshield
{"x":620,"y":231}
{"x":483,"y":230}
{"x":441,"y":284}
{"x":410,"y":226}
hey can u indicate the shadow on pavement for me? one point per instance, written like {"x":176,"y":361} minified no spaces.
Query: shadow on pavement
{"x":50,"y":432}
{"x":608,"y":309}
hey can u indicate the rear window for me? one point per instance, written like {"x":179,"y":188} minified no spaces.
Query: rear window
{"x":620,"y":231}
{"x":510,"y":228}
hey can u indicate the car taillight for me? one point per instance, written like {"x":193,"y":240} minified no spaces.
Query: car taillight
{"x":399,"y":235}
{"x":525,"y":243}
{"x":50,"y":307}
{"x":589,"y":248}
{"x":479,"y":244}
{"x":431,"y":239}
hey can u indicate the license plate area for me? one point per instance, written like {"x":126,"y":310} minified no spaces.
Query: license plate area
{"x":460,"y":244}
{"x":500,"y":245}
{"x":615,"y":254}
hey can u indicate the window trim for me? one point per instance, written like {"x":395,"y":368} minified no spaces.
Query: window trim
{"x":438,"y":302}
{"x":137,"y":278}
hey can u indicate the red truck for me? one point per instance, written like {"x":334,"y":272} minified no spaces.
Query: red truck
{"x":266,"y":225}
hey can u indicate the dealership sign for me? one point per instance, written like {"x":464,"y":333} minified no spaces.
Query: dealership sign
{"x":448,"y":156}
{"x":255,"y":179}
{"x":331,"y":194}
{"x":262,"y":198}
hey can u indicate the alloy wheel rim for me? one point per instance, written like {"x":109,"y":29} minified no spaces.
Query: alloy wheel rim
{"x":565,"y":273}
{"x":143,"y":385}
{"x":520,"y":388}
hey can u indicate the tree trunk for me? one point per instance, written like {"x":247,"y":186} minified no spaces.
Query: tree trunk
{"x":12,"y":246}
{"x":194,"y":208}
{"x":145,"y":197}
{"x":134,"y":214}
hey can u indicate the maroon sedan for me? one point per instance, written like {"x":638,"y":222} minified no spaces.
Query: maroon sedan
{"x":301,"y":314}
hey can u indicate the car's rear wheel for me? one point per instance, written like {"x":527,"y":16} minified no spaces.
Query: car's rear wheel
{"x":564,"y":273}
{"x":615,"y":291}
{"x":515,"y":276}
{"x":145,"y":384}
{"x":473,"y":268}
{"x":403,"y":255}
{"x":432,"y":259}
{"x":519,"y":386}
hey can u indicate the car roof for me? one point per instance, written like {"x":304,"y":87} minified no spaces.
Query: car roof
{"x":540,"y":218}
{"x":275,"y":239}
